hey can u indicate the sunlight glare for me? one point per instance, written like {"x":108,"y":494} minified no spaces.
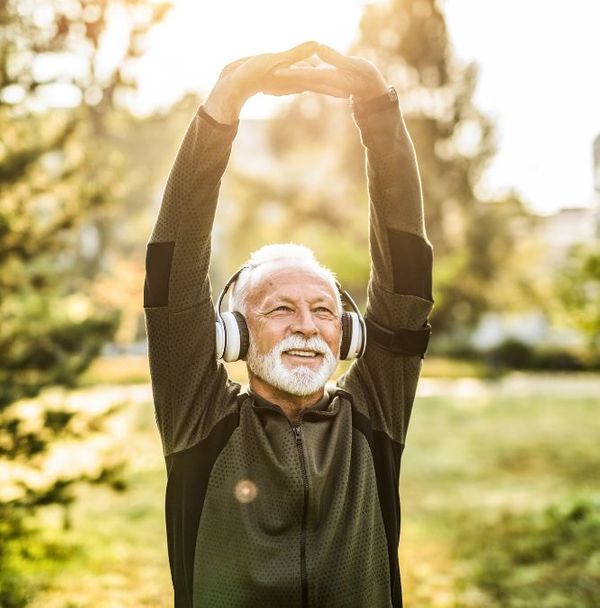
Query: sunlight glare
{"x":187,"y":51}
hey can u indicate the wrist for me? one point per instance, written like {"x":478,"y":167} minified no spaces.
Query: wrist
{"x":223,"y":106}
{"x":366,"y":96}
{"x":371,"y":104}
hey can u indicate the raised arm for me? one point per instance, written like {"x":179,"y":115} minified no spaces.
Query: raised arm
{"x":400,"y":287}
{"x":398,"y":241}
{"x":399,"y":290}
{"x":187,"y":381}
{"x":177,"y":292}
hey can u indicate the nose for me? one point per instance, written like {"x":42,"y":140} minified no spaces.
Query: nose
{"x":303,"y":323}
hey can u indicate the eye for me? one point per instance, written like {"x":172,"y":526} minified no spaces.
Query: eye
{"x":282,"y":308}
{"x":323,"y":310}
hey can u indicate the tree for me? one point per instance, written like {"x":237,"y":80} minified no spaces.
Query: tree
{"x":577,"y":285}
{"x":56,"y":190}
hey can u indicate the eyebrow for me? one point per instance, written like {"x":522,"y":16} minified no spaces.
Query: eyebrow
{"x":321,"y":299}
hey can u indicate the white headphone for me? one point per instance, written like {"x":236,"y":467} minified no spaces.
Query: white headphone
{"x":233,"y":337}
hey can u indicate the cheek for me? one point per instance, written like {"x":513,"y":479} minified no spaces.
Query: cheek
{"x":332,"y":334}
{"x":266,"y":335}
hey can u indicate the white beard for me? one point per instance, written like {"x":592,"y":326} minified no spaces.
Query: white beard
{"x":301,"y":381}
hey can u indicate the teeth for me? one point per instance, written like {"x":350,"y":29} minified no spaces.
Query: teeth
{"x":302,"y":353}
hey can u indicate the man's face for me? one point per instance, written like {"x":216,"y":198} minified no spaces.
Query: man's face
{"x":295,"y":329}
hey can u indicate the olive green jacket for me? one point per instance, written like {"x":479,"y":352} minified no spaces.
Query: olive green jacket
{"x":260,"y":512}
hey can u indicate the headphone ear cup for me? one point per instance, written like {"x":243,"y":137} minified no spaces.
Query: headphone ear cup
{"x":220,"y":339}
{"x":346,"y":335}
{"x":362,"y":345}
{"x":244,"y":334}
{"x":236,"y":336}
{"x":353,"y":336}
{"x":359,"y":336}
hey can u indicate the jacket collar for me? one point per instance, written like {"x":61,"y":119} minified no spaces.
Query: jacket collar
{"x":321,"y":408}
{"x":262,"y":402}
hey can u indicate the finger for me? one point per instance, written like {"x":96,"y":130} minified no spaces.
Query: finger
{"x":305,"y":63}
{"x":327,"y":90}
{"x":279,"y":89}
{"x":296,"y":53}
{"x":308,"y":62}
{"x":297,"y":79}
{"x":327,"y":76}
{"x":305,"y":71}
{"x":333,"y":57}
{"x":234,"y":64}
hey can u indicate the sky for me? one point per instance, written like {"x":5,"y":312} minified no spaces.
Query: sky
{"x":539,"y":78}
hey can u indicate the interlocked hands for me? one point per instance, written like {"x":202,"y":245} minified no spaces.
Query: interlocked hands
{"x":289,"y":72}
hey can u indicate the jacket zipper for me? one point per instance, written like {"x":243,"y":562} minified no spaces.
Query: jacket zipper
{"x":298,"y":435}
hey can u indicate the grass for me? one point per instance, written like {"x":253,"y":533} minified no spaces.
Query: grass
{"x":477,"y":471}
{"x":499,"y":501}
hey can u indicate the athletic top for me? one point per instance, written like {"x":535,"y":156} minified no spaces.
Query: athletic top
{"x":260,"y":511}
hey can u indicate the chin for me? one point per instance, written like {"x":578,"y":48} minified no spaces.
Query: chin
{"x":300,"y":381}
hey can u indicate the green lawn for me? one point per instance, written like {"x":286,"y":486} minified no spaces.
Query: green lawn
{"x":500,"y":503}
{"x":483,"y":463}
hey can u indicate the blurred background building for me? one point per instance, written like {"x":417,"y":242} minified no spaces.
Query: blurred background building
{"x":557,"y":233}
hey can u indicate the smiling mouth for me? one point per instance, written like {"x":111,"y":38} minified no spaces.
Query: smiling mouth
{"x":306,"y":354}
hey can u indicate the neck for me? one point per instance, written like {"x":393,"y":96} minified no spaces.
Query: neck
{"x":292,"y":405}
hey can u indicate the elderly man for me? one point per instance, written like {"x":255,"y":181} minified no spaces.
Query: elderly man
{"x":286,"y":494}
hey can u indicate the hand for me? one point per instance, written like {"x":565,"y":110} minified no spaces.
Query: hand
{"x":346,"y":76}
{"x":245,"y":77}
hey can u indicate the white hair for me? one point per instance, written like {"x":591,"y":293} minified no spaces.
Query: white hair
{"x":276,"y":256}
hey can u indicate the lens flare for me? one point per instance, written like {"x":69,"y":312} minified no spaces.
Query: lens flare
{"x":245,"y":491}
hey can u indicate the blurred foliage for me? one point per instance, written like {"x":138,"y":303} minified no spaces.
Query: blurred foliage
{"x":545,"y":559}
{"x":514,"y":354}
{"x":316,"y":191}
{"x":577,"y":287}
{"x":124,"y":369}
{"x":59,"y":182}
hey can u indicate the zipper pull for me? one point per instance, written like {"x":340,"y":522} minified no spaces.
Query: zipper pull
{"x":297,"y":433}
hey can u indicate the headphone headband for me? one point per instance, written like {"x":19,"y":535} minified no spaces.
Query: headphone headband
{"x":230,"y":282}
{"x":356,"y":329}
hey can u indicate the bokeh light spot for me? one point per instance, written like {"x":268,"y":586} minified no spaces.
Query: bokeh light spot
{"x":245,"y":491}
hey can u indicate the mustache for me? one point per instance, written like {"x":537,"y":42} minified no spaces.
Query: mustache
{"x":315,"y":344}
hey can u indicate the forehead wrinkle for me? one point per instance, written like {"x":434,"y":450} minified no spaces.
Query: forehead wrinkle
{"x":265,"y":279}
